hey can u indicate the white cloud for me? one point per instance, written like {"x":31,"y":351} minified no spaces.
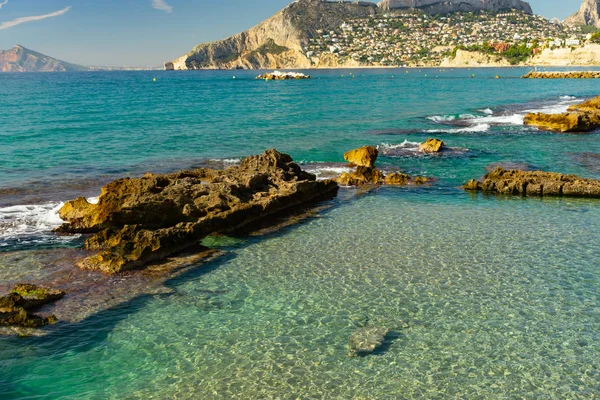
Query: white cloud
{"x":162,"y":5}
{"x":22,"y":20}
{"x":4,"y":3}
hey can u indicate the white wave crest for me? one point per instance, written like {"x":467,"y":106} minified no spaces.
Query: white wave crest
{"x":487,"y":111}
{"x":29,"y":220}
{"x":404,"y":145}
{"x":469,"y":129}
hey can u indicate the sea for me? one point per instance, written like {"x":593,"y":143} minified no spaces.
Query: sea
{"x":486,"y":297}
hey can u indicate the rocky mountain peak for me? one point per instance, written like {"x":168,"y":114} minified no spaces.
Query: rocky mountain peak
{"x":588,"y":14}
{"x":445,"y":6}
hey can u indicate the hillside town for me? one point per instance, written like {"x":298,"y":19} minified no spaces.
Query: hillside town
{"x":419,"y":39}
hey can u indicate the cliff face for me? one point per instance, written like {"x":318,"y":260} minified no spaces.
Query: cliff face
{"x":587,"y":55}
{"x":588,"y":14}
{"x":276,"y":42}
{"x":20,"y":59}
{"x":443,"y":7}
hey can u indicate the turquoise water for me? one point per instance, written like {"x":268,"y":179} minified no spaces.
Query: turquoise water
{"x":487,"y":297}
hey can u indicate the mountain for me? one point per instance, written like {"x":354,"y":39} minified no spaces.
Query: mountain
{"x":283,"y":40}
{"x":588,"y":14}
{"x":20,"y":59}
{"x":276,"y":42}
{"x":443,"y":7}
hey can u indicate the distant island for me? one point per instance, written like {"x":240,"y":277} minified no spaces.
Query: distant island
{"x":410,"y":33}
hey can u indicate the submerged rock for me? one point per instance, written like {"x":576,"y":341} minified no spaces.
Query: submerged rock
{"x":16,"y":306}
{"x":535,"y":183}
{"x":366,"y":340}
{"x":432,"y":146}
{"x":362,"y":157}
{"x":584,"y":117}
{"x":141,"y":220}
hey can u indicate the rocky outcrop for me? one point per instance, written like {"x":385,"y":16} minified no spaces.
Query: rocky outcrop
{"x":277,"y":42}
{"x":366,"y":340}
{"x":363,"y":157}
{"x":16,"y":307}
{"x":141,"y":220}
{"x":432,"y":146}
{"x":580,"y":118}
{"x":562,"y":75}
{"x":535,"y":183}
{"x":367,"y":174}
{"x":20,"y":59}
{"x":588,"y":14}
{"x":444,"y":6}
{"x":283,"y":76}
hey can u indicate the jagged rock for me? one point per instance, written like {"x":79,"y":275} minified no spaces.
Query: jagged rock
{"x":16,"y":306}
{"x":366,"y":340}
{"x":421,"y":180}
{"x":362,"y":176}
{"x":363,"y":156}
{"x":571,"y":122}
{"x":535,"y":183}
{"x":432,"y":146}
{"x":141,"y":220}
{"x":33,"y":296}
{"x":396,"y":178}
{"x":584,"y":117}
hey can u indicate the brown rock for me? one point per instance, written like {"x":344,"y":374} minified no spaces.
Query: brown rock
{"x":397,"y":178}
{"x":16,"y":306}
{"x":363,"y":157}
{"x":142,"y":220}
{"x":582,"y":117}
{"x":362,"y":176}
{"x":432,"y":146}
{"x":366,"y":340}
{"x":535,"y":183}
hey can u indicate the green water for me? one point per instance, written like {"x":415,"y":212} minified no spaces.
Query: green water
{"x":487,"y":297}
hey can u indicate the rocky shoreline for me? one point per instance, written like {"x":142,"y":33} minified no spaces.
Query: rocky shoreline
{"x":579,"y":118}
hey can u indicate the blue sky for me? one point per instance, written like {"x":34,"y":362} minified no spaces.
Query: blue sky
{"x":146,"y":32}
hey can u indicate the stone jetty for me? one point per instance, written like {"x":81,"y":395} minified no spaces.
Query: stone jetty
{"x":562,"y":75}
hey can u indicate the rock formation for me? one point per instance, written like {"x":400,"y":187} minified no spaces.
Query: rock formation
{"x":583,"y":117}
{"x":535,"y":183}
{"x":588,"y":14}
{"x":283,"y":76}
{"x":20,"y":59}
{"x":432,"y":146}
{"x":366,"y":340}
{"x":366,"y":173}
{"x":443,"y":7}
{"x":362,"y":157}
{"x":16,"y":307}
{"x":141,"y":220}
{"x":276,"y":42}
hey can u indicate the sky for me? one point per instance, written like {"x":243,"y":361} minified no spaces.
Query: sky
{"x":147,"y":32}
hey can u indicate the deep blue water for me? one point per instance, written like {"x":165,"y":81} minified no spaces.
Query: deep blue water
{"x":502,"y":295}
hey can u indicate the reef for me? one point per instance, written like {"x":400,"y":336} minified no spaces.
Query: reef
{"x":138,"y":221}
{"x":535,"y":183}
{"x":16,"y":307}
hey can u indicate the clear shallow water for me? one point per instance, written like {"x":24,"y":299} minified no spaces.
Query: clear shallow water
{"x":501,"y":295}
